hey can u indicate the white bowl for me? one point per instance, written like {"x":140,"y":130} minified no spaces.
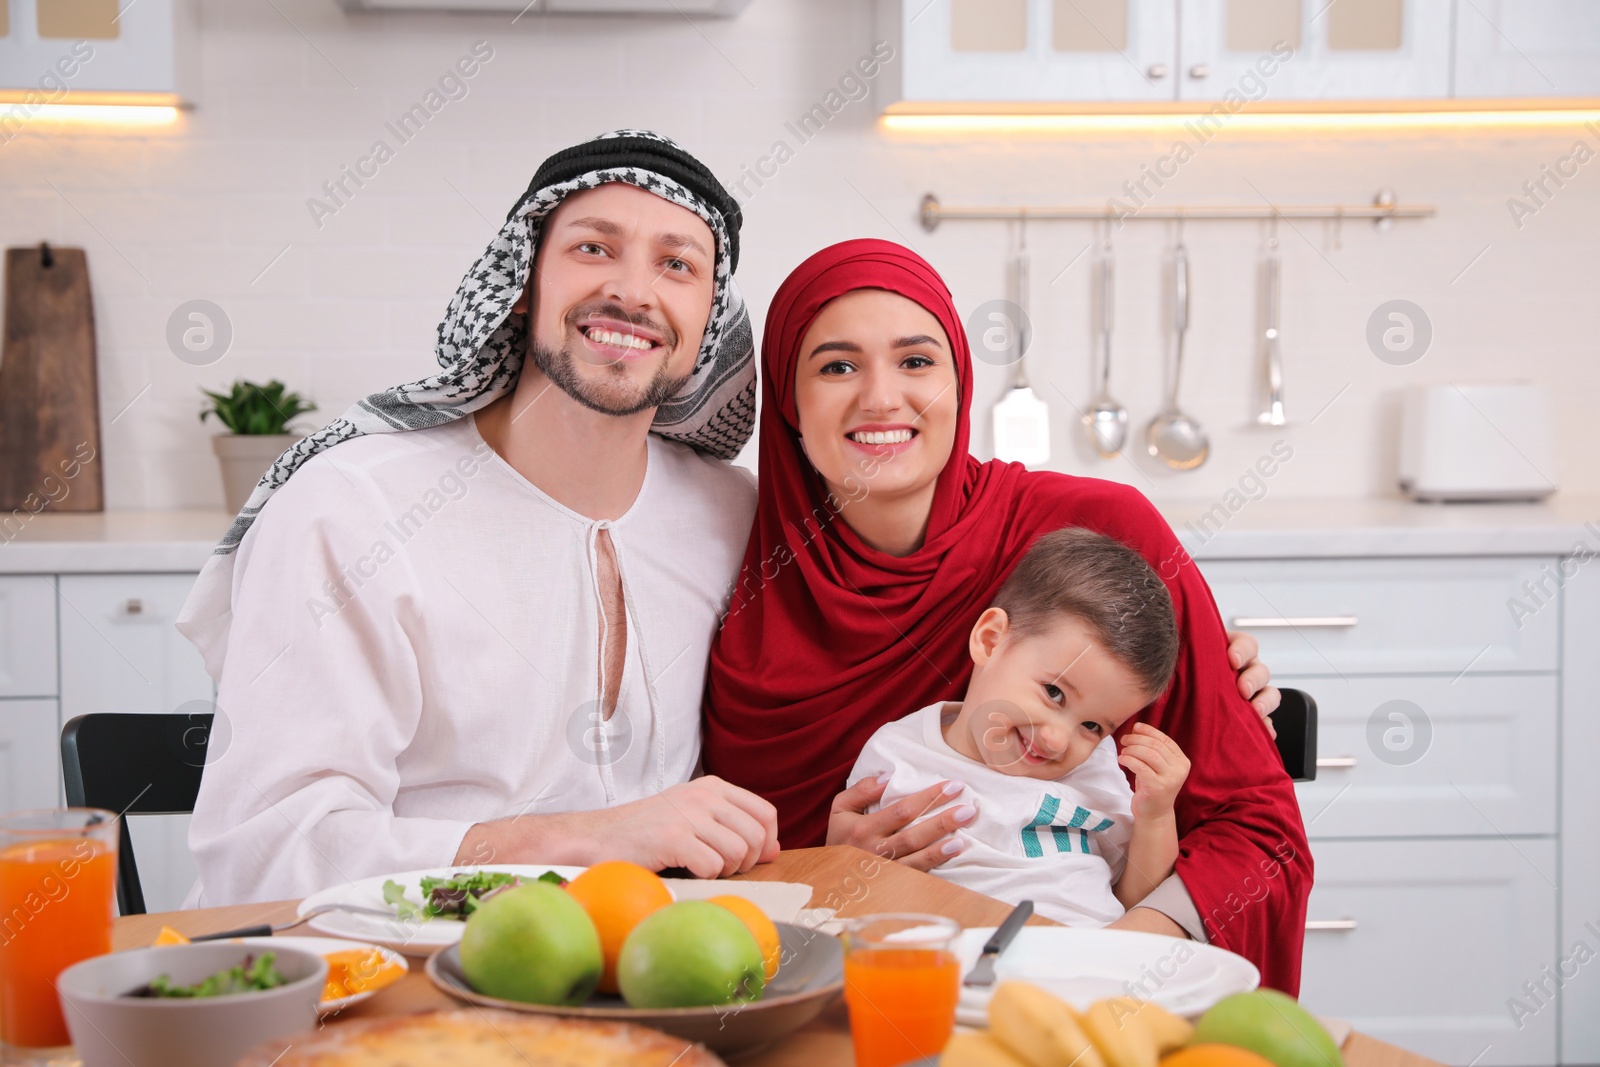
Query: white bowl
{"x":111,"y":1029}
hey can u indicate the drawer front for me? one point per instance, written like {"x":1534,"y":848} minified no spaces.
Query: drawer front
{"x":27,"y":636}
{"x":1427,"y":944}
{"x":120,"y":650}
{"x":1404,"y":616}
{"x":1406,"y":756}
{"x":30,"y":757}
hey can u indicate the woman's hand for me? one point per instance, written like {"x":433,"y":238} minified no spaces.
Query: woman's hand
{"x":888,"y":832}
{"x":1253,"y":676}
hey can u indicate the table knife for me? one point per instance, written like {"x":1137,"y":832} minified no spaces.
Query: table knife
{"x":983,"y":972}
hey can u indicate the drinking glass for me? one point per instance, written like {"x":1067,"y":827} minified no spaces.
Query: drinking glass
{"x":901,"y":983}
{"x":58,"y":876}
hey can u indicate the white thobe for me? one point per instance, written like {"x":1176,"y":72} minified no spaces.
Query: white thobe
{"x":414,"y":647}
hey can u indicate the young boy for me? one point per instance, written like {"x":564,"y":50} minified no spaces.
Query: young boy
{"x":1080,"y":638}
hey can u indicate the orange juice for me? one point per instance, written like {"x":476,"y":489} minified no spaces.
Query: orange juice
{"x":902,"y":1003}
{"x":56,"y":905}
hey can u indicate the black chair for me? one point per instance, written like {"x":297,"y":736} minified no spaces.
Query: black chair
{"x":134,"y":765}
{"x":1296,"y":723}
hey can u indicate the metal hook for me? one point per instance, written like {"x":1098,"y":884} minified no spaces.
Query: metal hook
{"x":47,"y":258}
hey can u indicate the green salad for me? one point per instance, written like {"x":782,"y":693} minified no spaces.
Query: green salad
{"x":254,"y":974}
{"x":456,"y":896}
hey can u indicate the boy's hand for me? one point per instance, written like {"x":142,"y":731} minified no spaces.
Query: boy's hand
{"x":1159,"y":768}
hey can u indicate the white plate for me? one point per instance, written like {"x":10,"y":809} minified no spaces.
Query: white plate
{"x":1082,"y":966}
{"x":413,"y":937}
{"x":322,"y":946}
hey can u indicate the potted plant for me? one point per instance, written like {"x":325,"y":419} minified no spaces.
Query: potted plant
{"x":257,"y":419}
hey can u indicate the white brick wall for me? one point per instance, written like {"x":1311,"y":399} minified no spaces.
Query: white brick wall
{"x":201,"y":208}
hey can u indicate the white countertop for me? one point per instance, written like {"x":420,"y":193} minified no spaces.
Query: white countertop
{"x":180,"y":541}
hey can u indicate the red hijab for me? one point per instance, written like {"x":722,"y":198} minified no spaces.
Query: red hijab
{"x":826,"y":638}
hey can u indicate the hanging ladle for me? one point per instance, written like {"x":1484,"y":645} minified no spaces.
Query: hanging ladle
{"x":1173,"y":437}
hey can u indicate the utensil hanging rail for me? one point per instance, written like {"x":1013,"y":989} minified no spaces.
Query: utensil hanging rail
{"x":1382,"y":209}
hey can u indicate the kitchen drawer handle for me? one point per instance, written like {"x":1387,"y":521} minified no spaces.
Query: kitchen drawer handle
{"x":1302,"y":622}
{"x":1335,"y":761}
{"x":134,"y":606}
{"x":1330,"y":924}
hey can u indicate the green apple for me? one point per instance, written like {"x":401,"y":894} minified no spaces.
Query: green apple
{"x":533,"y":943}
{"x":1270,"y":1024}
{"x":690,"y":954}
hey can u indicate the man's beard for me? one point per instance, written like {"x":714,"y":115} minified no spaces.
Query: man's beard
{"x":612,"y":394}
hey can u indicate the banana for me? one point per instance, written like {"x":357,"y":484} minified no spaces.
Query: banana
{"x":1039,"y":1028}
{"x":1170,"y":1031}
{"x":972,"y":1049}
{"x":1121,"y":1032}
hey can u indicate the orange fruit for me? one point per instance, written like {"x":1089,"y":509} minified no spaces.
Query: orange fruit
{"x":762,"y":927}
{"x":617,"y":895}
{"x":1214,"y":1056}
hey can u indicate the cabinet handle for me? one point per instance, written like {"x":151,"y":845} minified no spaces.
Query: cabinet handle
{"x":134,"y":606}
{"x":1157,"y":71}
{"x":1300,"y":622}
{"x":1335,"y":761}
{"x":1330,"y":924}
{"x":1200,"y":70}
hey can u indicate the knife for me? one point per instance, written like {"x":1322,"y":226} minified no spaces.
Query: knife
{"x":983,"y":972}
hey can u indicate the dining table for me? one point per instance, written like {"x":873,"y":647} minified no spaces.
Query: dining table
{"x":849,"y":881}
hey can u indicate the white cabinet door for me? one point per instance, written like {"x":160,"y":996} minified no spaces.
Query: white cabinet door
{"x":120,"y":652}
{"x":1527,"y":48}
{"x":28,"y":636}
{"x":119,"y":648}
{"x":1424,"y":757}
{"x":1273,"y":50}
{"x":1036,"y":50}
{"x":30,"y":761}
{"x":1458,"y":617}
{"x":1445,"y":935}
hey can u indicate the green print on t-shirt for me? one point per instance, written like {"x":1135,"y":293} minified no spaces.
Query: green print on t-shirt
{"x":1064,"y":835}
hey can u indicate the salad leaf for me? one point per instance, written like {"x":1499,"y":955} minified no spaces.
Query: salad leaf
{"x":395,"y":894}
{"x":256,"y":973}
{"x":456,"y":896}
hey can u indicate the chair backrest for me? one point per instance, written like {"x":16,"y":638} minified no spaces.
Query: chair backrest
{"x":1296,"y":723}
{"x":134,"y":764}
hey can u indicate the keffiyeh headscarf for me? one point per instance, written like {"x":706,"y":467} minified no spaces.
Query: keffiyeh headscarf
{"x":481,"y":346}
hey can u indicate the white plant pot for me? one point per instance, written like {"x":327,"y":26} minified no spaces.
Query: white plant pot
{"x":244,"y":459}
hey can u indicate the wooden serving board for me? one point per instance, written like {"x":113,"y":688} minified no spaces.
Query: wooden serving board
{"x":49,"y":391}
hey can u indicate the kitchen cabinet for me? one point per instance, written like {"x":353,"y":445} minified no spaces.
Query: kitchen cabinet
{"x":28,"y":732}
{"x":1002,"y":50}
{"x":1274,"y":50}
{"x":68,"y":51}
{"x":28,"y":636}
{"x":1531,"y":48}
{"x":1426,"y":944}
{"x":1434,"y":820}
{"x":1237,"y":52}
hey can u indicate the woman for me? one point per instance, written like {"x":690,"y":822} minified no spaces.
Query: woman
{"x":879,"y":539}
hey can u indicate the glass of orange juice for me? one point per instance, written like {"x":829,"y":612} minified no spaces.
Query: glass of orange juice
{"x":58,"y":877}
{"x":901,"y":981}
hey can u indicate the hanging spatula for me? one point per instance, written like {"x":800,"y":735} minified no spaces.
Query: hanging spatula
{"x":1021,"y":418}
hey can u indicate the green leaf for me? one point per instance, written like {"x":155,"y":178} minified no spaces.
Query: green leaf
{"x":252,"y":408}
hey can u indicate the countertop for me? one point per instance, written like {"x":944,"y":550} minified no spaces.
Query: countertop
{"x":180,"y":541}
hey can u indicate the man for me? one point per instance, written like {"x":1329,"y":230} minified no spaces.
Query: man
{"x":484,"y":639}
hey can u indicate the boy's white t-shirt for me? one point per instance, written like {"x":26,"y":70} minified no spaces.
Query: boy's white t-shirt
{"x":1061,"y":844}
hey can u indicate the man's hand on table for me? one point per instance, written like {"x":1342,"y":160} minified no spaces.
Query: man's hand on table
{"x":708,"y":826}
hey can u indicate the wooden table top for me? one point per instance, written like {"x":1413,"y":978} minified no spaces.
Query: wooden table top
{"x":848,"y":880}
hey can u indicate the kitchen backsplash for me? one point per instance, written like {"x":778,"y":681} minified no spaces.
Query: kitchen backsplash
{"x":342,"y":172}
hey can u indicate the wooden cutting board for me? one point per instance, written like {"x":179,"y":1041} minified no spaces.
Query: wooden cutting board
{"x":49,"y":392}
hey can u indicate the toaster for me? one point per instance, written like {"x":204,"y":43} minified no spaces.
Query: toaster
{"x":1477,"y":442}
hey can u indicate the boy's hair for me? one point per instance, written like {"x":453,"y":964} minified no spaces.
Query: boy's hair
{"x":1106,"y":584}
